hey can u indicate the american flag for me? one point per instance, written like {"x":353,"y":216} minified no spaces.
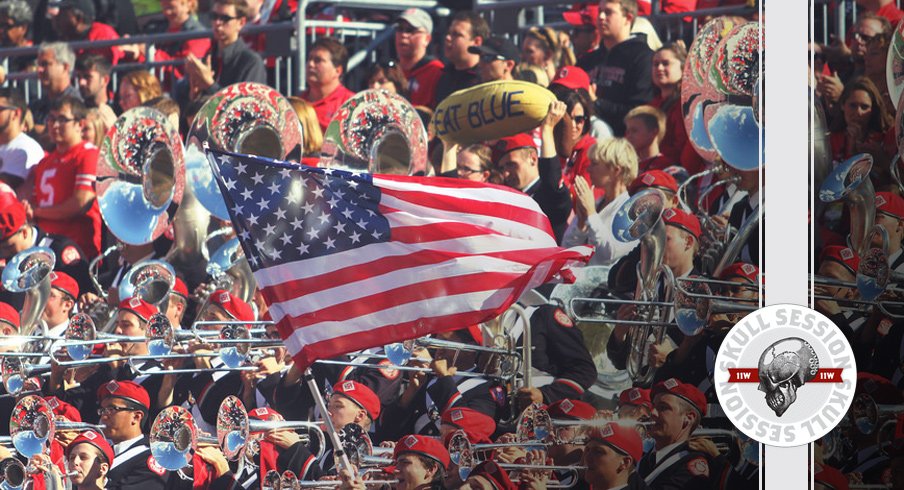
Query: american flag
{"x":348,"y":261}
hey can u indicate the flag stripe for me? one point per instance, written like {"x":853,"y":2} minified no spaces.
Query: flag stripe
{"x":460,"y":187}
{"x":400,"y":315}
{"x":514,"y":229}
{"x":439,"y":205}
{"x":330,"y":264}
{"x":419,"y":265}
{"x":335,"y":308}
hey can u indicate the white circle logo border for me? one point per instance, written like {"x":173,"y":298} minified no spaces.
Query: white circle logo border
{"x":817,"y":404}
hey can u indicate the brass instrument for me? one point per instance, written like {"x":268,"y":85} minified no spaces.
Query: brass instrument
{"x":29,"y":272}
{"x":174,"y":437}
{"x":249,"y":118}
{"x":639,"y":218}
{"x":695,"y":304}
{"x":376,"y":132}
{"x":235,"y":430}
{"x":12,"y":474}
{"x":140,"y":172}
{"x":868,"y":416}
{"x":32,"y":426}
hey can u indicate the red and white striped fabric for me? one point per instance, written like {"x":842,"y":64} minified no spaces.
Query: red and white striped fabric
{"x":371,"y":260}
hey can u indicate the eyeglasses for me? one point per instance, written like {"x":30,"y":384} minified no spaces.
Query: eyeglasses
{"x":467,"y":170}
{"x":214,"y":17}
{"x":864,"y":38}
{"x":580,"y":119}
{"x":112,"y":409}
{"x":8,"y":26}
{"x":59,"y":119}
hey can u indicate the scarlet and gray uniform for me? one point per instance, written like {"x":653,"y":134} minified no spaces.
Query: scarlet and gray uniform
{"x":134,"y":468}
{"x":676,"y":468}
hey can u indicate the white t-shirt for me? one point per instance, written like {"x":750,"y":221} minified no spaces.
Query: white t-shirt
{"x":17,"y":157}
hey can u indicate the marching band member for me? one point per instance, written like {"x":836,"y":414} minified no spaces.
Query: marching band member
{"x":677,"y":411}
{"x":419,"y":463}
{"x":177,"y":303}
{"x":350,"y":403}
{"x":17,"y":235}
{"x":90,"y":457}
{"x":63,"y":293}
{"x":612,"y":456}
{"x":209,"y":470}
{"x":281,"y":450}
{"x":476,"y":426}
{"x":488,"y":476}
{"x":124,"y":407}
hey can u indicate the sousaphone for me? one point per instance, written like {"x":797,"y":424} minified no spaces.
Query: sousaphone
{"x":376,"y":132}
{"x":140,"y":173}
{"x":249,"y":118}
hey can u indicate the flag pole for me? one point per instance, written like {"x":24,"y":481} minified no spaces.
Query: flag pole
{"x":338,"y":450}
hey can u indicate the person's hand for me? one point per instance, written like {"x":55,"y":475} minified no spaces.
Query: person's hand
{"x":213,"y":456}
{"x":350,"y":479}
{"x":509,"y":454}
{"x":268,"y":365}
{"x":283,"y":438}
{"x":827,"y":307}
{"x":414,"y":385}
{"x":441,"y":368}
{"x":703,"y":445}
{"x":659,"y":352}
{"x":626,"y":312}
{"x":200,"y":73}
{"x":527,"y":396}
{"x":584,"y":204}
{"x":830,"y":87}
{"x":556,"y":113}
{"x":593,"y":95}
{"x":388,"y":444}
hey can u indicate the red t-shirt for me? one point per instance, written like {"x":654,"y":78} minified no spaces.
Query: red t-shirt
{"x":838,"y":143}
{"x":892,"y":13}
{"x":675,"y":145}
{"x":102,"y":32}
{"x":326,"y":107}
{"x":422,"y":82}
{"x":578,"y":163}
{"x":197,"y":47}
{"x":57,"y":177}
{"x":644,"y":7}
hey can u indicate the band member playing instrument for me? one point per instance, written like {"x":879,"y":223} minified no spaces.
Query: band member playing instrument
{"x":280,"y":450}
{"x":124,"y":407}
{"x":63,"y":292}
{"x":677,"y":410}
{"x":90,"y":456}
{"x":420,"y":463}
{"x":612,"y":455}
{"x":350,"y":403}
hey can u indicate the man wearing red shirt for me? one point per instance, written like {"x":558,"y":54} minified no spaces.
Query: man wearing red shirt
{"x":412,"y":36}
{"x":75,"y":22}
{"x":64,"y":201}
{"x":326,"y":65}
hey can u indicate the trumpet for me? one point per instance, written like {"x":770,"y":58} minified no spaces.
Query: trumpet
{"x":234,"y":428}
{"x":360,"y":449}
{"x":545,"y":428}
{"x":174,"y":437}
{"x":461,"y":452}
{"x":288,"y":481}
{"x":12,"y":474}
{"x":695,"y":304}
{"x":32,"y":426}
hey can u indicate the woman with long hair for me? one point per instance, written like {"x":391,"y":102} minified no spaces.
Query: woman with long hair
{"x":862,"y":123}
{"x":313,"y":136}
{"x":572,"y":134}
{"x":668,"y":63}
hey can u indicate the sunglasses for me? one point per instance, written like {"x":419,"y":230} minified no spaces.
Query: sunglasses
{"x":221,"y":18}
{"x":580,"y":119}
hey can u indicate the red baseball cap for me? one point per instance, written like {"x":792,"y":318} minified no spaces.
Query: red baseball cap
{"x":655,"y":179}
{"x":361,"y":394}
{"x":64,"y":282}
{"x":477,"y":426}
{"x":180,"y":288}
{"x":12,"y":216}
{"x":127,"y":390}
{"x":582,"y":14}
{"x":63,"y":409}
{"x":741,"y":270}
{"x":636,"y":396}
{"x":571,"y":409}
{"x":682,"y":219}
{"x":506,"y":145}
{"x":138,"y":306}
{"x":497,"y":476}
{"x":831,"y":478}
{"x":843,"y":255}
{"x":688,"y":392}
{"x":891,"y":204}
{"x":9,"y":315}
{"x":97,"y":440}
{"x":624,"y":439}
{"x":264,"y":413}
{"x":232,"y":305}
{"x":572,"y":77}
{"x":423,"y":445}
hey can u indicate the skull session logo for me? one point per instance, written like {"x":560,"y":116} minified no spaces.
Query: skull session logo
{"x":785,"y":375}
